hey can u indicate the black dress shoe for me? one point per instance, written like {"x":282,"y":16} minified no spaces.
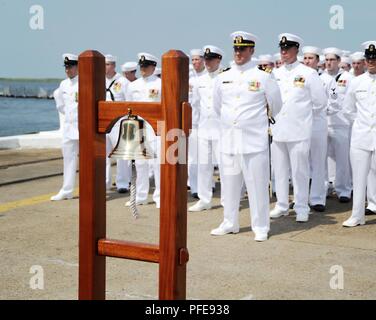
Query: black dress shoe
{"x":122,"y":190}
{"x":344,"y":199}
{"x":292,"y":205}
{"x":318,"y":208}
{"x":195,"y":195}
{"x":369,"y":212}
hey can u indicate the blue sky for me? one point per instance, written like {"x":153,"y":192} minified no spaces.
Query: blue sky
{"x":124,"y":28}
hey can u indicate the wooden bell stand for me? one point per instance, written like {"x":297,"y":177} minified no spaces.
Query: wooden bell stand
{"x":96,"y":118}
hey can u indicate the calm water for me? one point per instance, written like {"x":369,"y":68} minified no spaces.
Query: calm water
{"x":26,"y":106}
{"x":22,"y":116}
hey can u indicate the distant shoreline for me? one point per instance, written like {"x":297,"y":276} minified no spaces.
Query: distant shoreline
{"x":32,"y":79}
{"x":24,"y":97}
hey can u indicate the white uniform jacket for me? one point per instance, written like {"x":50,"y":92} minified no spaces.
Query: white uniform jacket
{"x":343,"y":81}
{"x":302,"y":94}
{"x":360,"y":107}
{"x":146,"y":90}
{"x":116,"y":88}
{"x":192,"y":83}
{"x":240,"y":98}
{"x":202,"y":103}
{"x":67,"y":104}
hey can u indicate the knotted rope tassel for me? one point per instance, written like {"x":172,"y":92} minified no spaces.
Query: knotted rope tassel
{"x":133,"y":205}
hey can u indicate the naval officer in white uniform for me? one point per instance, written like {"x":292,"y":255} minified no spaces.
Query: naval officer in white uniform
{"x":241,"y":96}
{"x":359,"y":68}
{"x":147,"y":89}
{"x":198,"y":70}
{"x":302,"y":94}
{"x":360,"y":106}
{"x":208,"y":127}
{"x":67,"y":104}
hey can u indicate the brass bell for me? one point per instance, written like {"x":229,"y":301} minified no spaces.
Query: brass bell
{"x":132,"y":143}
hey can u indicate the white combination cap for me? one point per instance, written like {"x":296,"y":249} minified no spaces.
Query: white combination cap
{"x":70,"y":56}
{"x":287,"y":40}
{"x":212,"y":52}
{"x":147,"y":59}
{"x":70,"y":59}
{"x":366,"y":45}
{"x":369,"y":49}
{"x":243,"y":39}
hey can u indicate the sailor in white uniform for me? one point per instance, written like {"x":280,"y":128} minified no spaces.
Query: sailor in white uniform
{"x":303,"y":95}
{"x":208,"y":128}
{"x":116,"y":90}
{"x":67,"y":104}
{"x":319,"y":141}
{"x":359,"y":68}
{"x":339,"y":129}
{"x":129,"y":70}
{"x":345,"y":64}
{"x":147,"y":89}
{"x":241,"y":96}
{"x":360,"y":106}
{"x":266,"y":61}
{"x":278,"y":60}
{"x":198,"y":64}
{"x":358,"y":63}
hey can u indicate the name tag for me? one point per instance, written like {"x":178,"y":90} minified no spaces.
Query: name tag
{"x":227,"y":82}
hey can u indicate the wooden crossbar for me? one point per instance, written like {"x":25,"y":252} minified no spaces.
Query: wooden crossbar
{"x":110,"y":112}
{"x":128,"y":250}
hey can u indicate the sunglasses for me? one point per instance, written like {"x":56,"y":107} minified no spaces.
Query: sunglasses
{"x":287,"y":47}
{"x":240,"y":49}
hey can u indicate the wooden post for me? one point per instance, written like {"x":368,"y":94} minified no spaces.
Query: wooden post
{"x":92,"y":224}
{"x":173,"y":216}
{"x":96,"y":117}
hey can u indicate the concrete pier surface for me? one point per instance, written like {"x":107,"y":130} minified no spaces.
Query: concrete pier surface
{"x":316,"y":260}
